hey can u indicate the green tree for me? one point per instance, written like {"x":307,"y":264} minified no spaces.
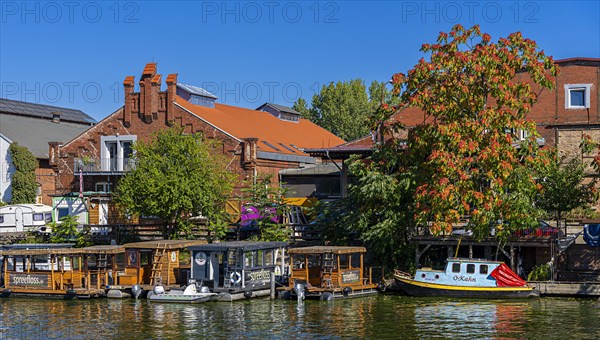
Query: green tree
{"x":343,"y":108}
{"x":24,"y":185}
{"x":66,"y":231}
{"x":177,"y":176}
{"x":469,"y":160}
{"x":563,"y":187}
{"x":268,"y":199}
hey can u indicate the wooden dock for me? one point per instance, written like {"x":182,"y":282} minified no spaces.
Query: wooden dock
{"x":574,"y":289}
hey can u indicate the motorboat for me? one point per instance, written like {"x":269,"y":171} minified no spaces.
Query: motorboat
{"x":466,"y":278}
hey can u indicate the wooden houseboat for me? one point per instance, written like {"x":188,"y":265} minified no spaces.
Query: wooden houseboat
{"x":239,"y":269}
{"x":57,"y":272}
{"x":467,"y":278}
{"x":151,"y":263}
{"x":328,"y":272}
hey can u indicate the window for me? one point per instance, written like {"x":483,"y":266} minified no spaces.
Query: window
{"x":102,"y":187}
{"x":38,"y":216}
{"x":1,"y":218}
{"x":456,"y":267}
{"x":470,"y":268}
{"x":269,"y":258}
{"x":483,"y":269}
{"x":116,"y":151}
{"x":62,"y":212}
{"x":577,"y":96}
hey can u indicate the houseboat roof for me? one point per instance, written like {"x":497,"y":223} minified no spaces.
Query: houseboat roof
{"x":30,"y":207}
{"x":164,"y":244}
{"x":327,"y":249}
{"x":103,"y":249}
{"x":243,"y":245}
{"x":35,"y":246}
{"x":465,"y":259}
{"x":43,"y":251}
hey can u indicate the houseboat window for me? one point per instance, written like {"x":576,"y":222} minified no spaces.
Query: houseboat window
{"x":483,"y":269}
{"x":1,"y":218}
{"x":232,"y":257}
{"x":120,"y":260}
{"x":259,"y":258}
{"x":268,"y":257}
{"x":144,"y":258}
{"x":314,"y":261}
{"x":456,"y":267}
{"x":355,"y":260}
{"x":38,"y":217}
{"x":470,"y":268}
{"x":249,"y":259}
{"x":343,"y":261}
{"x":131,"y":258}
{"x":48,"y":217}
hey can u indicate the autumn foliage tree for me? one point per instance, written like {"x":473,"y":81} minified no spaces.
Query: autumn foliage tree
{"x":468,"y":160}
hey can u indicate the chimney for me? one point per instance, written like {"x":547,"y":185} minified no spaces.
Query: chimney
{"x":54,"y":153}
{"x":146,"y":92}
{"x":171,"y":93}
{"x":249,"y":157}
{"x":56,"y":117}
{"x":155,"y":96}
{"x":128,"y":87}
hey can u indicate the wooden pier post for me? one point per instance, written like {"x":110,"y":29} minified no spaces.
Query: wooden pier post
{"x":272,"y":286}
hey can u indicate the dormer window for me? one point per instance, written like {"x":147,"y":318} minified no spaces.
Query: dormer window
{"x":196,"y":95}
{"x":577,"y":96}
{"x":281,"y":112}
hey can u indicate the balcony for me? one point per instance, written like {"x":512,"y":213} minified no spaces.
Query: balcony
{"x":103,"y":166}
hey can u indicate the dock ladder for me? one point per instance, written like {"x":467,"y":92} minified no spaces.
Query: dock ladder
{"x":157,"y":263}
{"x":327,"y":269}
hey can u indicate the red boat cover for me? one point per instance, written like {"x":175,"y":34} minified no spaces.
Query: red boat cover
{"x":506,"y":277}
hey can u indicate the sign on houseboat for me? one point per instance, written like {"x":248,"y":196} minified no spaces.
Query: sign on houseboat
{"x":28,"y":280}
{"x":351,"y":276}
{"x":259,"y":277}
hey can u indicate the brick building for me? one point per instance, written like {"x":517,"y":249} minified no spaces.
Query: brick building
{"x":256,"y":142}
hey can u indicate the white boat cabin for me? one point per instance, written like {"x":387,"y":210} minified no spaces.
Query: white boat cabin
{"x":24,"y":217}
{"x":461,"y":272}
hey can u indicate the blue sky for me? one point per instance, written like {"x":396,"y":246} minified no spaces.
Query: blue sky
{"x":77,"y":54}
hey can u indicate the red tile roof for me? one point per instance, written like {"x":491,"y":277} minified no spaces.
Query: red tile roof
{"x":150,"y":69}
{"x":245,"y":123}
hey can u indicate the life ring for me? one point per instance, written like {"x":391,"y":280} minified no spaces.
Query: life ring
{"x":235,"y":278}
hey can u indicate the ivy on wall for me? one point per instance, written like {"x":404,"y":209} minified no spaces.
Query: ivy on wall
{"x":24,"y":185}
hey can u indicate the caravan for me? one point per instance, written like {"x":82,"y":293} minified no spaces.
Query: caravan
{"x":24,"y":217}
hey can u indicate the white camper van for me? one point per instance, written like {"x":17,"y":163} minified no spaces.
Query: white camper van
{"x":24,"y":217}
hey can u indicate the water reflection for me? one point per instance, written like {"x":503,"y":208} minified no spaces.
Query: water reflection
{"x":380,"y":317}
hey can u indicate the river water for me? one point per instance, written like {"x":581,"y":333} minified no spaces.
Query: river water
{"x":375,"y":317}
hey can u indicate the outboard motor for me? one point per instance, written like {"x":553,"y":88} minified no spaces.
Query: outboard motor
{"x":136,"y":291}
{"x":299,"y":289}
{"x":158,"y":289}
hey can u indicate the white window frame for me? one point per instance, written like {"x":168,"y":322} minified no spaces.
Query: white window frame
{"x":104,"y":152}
{"x":578,"y":87}
{"x":105,"y":186}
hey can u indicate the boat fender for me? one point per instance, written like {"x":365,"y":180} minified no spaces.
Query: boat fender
{"x":235,"y":278}
{"x":326,"y":297}
{"x":158,"y":290}
{"x":248,"y":294}
{"x":6,"y":292}
{"x":347,"y":291}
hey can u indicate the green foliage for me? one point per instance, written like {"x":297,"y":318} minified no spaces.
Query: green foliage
{"x":377,"y":211}
{"x":24,"y":185}
{"x":66,"y":231}
{"x":541,"y":272}
{"x":563,"y":189}
{"x":269,"y":201}
{"x":177,"y":176}
{"x":343,"y":108}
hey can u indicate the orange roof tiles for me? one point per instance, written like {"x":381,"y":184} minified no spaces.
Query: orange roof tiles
{"x":150,"y":69}
{"x":156,"y":79}
{"x":244,"y":123}
{"x":129,"y":80}
{"x":172,"y":78}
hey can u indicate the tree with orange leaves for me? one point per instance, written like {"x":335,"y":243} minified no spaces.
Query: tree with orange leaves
{"x":470,"y":160}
